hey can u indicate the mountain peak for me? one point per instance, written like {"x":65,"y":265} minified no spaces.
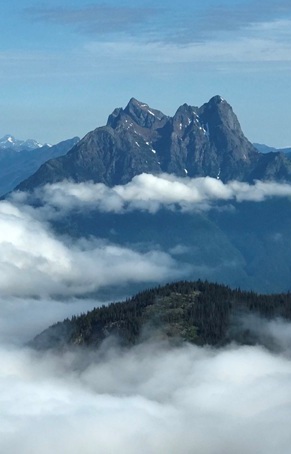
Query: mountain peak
{"x":196,"y":141}
{"x":216,"y":100}
{"x":7,"y":138}
{"x":10,"y":142}
{"x":137,"y":103}
{"x":220,"y":114}
{"x":138,"y":112}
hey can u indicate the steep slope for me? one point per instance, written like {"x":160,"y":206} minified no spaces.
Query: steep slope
{"x":262,"y":148}
{"x":194,"y":142}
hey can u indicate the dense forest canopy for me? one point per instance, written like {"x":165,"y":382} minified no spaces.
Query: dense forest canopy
{"x":198,"y":312}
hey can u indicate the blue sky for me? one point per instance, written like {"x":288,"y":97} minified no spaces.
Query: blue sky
{"x":65,"y":65}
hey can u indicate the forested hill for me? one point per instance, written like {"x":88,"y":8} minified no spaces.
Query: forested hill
{"x":197,"y":312}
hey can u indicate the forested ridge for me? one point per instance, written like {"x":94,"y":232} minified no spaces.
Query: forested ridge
{"x":198,"y":312}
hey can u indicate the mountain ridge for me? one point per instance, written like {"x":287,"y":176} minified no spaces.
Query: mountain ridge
{"x":16,"y":165}
{"x":198,"y":312}
{"x":10,"y":142}
{"x":196,"y":141}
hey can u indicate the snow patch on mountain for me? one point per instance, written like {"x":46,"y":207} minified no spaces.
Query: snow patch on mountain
{"x":10,"y":142}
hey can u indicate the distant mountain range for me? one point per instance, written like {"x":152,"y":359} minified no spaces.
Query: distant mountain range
{"x":196,"y":141}
{"x":262,"y":148}
{"x":9,"y":142}
{"x":19,"y":159}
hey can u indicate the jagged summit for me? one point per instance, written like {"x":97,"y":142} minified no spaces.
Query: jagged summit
{"x":185,"y":117}
{"x":196,"y":141}
{"x":217,"y":99}
{"x":138,"y":112}
{"x":135,"y":106}
{"x":219,"y":112}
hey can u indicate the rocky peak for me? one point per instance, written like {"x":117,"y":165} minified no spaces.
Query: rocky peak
{"x":195,"y":142}
{"x":114,"y":117}
{"x":11,"y":143}
{"x":137,"y":112}
{"x":218,"y":113}
{"x":184,"y":116}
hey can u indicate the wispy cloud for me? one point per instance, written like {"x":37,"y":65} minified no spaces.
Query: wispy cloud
{"x":194,"y":23}
{"x":108,"y":56}
{"x":250,"y":49}
{"x":168,"y":38}
{"x":236,"y":16}
{"x":97,"y":19}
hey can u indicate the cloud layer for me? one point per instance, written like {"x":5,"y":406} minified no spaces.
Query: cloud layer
{"x":36,"y":262}
{"x":150,"y":399}
{"x":194,"y":23}
{"x":65,"y":267}
{"x":97,"y":19}
{"x":150,"y":193}
{"x":228,"y":32}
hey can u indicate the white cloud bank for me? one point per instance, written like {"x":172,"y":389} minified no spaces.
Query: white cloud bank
{"x":150,"y":192}
{"x":149,"y":400}
{"x":36,"y":262}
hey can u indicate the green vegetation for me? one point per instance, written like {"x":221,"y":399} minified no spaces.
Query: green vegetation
{"x":197,"y":312}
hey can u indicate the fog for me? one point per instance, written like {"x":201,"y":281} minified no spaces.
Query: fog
{"x":152,"y":398}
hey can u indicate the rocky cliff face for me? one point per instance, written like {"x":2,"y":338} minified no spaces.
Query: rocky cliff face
{"x":205,"y":141}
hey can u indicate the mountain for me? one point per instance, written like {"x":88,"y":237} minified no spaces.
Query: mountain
{"x":287,"y":150}
{"x":196,"y":312}
{"x":241,"y":244}
{"x":194,"y":142}
{"x":11,"y":143}
{"x":244,"y":244}
{"x":262,"y":148}
{"x":17,"y":164}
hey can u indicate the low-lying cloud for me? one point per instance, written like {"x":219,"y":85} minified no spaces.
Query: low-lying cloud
{"x":150,"y":399}
{"x":150,"y":193}
{"x":36,"y":262}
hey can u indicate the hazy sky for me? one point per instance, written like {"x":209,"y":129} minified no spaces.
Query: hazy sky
{"x":65,"y":65}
